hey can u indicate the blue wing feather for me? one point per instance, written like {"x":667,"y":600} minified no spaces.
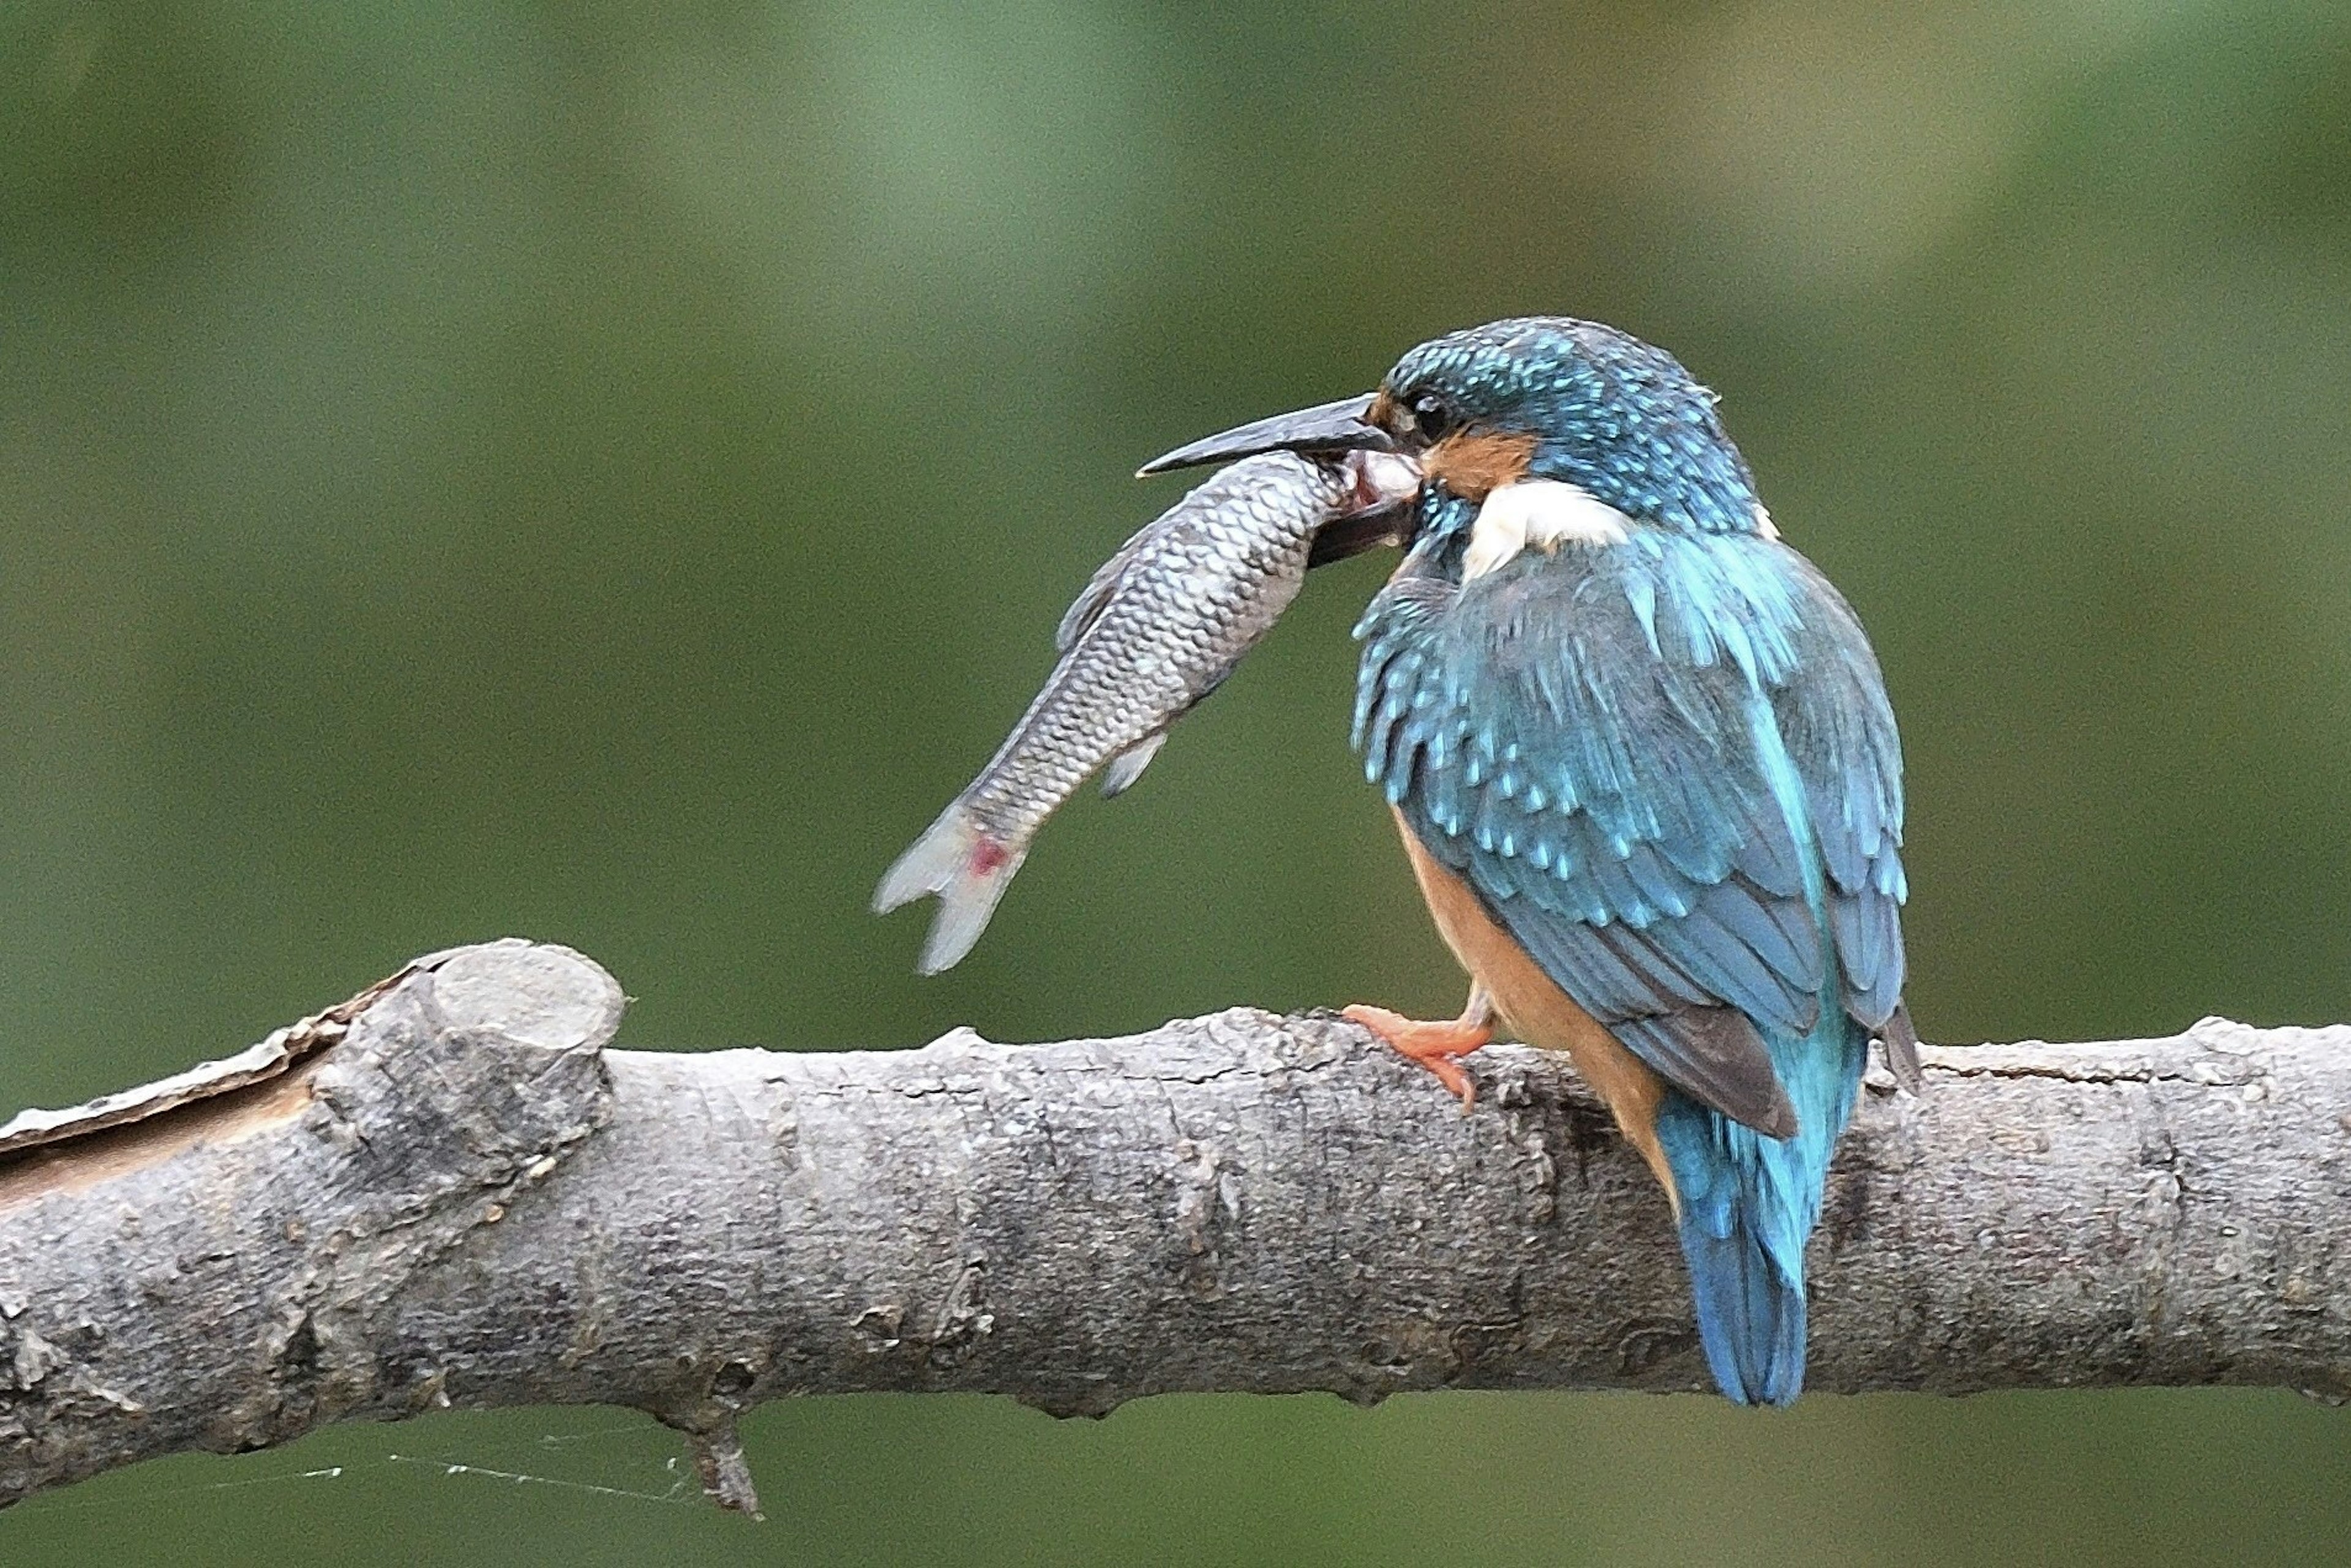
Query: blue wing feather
{"x":1585,"y":746}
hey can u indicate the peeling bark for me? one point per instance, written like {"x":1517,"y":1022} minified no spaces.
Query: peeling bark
{"x":448,"y":1191}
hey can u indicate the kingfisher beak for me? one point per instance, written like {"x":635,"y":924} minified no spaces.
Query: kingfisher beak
{"x":1338,"y":426}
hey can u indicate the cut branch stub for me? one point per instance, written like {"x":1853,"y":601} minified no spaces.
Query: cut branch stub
{"x":266,"y":1230}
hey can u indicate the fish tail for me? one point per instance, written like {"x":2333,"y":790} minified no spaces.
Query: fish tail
{"x":1748,"y":1203}
{"x":958,"y":860}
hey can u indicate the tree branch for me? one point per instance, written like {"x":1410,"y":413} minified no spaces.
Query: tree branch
{"x":447,"y":1192}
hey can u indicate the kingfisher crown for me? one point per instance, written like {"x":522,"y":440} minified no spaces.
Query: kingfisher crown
{"x":1576,"y":402}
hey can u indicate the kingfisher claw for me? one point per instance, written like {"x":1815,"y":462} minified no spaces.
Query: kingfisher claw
{"x":1434,"y":1045}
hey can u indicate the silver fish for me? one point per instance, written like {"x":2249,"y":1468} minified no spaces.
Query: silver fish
{"x":1160,"y":626}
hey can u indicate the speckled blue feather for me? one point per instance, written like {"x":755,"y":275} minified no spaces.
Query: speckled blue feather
{"x":1666,"y":765}
{"x":1617,"y":416}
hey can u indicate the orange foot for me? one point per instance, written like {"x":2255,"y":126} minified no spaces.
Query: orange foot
{"x":1434,"y":1045}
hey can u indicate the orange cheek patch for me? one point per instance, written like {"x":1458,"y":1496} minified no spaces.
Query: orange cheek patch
{"x":1474,"y":464}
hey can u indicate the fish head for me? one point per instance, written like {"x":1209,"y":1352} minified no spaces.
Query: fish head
{"x":1385,"y":483}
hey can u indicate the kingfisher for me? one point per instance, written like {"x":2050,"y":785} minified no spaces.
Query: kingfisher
{"x":1644,"y":767}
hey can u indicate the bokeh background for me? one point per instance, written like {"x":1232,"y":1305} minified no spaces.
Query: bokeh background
{"x":608,"y":473}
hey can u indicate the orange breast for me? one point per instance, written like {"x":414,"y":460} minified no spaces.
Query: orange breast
{"x":1535,"y":1009}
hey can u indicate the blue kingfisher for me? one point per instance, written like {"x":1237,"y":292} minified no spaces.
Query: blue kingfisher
{"x":1645,"y":770}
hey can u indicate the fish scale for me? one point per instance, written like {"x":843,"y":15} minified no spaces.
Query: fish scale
{"x":1158,"y":628}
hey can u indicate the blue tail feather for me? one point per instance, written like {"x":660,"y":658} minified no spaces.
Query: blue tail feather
{"x":1750,"y":1318}
{"x":1748,"y":1203}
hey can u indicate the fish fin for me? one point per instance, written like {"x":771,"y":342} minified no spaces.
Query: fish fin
{"x":966,"y":869}
{"x":1128,"y":765}
{"x":1900,"y":1037}
{"x":1095,"y":596}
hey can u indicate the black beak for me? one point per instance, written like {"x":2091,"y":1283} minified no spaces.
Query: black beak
{"x":1332,"y":427}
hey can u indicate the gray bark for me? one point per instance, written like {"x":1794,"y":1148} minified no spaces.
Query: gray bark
{"x":447,"y":1192}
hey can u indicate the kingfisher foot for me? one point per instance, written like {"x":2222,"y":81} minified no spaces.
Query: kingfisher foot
{"x":1433,"y":1045}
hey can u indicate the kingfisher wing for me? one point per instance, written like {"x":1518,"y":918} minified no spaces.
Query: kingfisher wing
{"x":1838,"y":726}
{"x":1666,"y":777}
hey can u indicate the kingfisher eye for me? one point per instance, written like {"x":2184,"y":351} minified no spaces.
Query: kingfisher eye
{"x":1431,"y":419}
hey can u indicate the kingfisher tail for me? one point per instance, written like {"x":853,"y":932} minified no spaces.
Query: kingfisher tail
{"x":1750,"y":1314}
{"x":1748,"y":1203}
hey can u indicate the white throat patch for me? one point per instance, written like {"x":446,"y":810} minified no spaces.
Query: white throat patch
{"x":1541,"y":513}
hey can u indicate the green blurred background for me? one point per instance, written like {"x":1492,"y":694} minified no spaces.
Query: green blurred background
{"x":609,"y":472}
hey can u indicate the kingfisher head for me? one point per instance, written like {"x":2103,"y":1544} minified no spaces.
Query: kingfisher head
{"x":1565,"y":426}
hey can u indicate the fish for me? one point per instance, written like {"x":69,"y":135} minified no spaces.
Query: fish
{"x":1159,"y":626}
